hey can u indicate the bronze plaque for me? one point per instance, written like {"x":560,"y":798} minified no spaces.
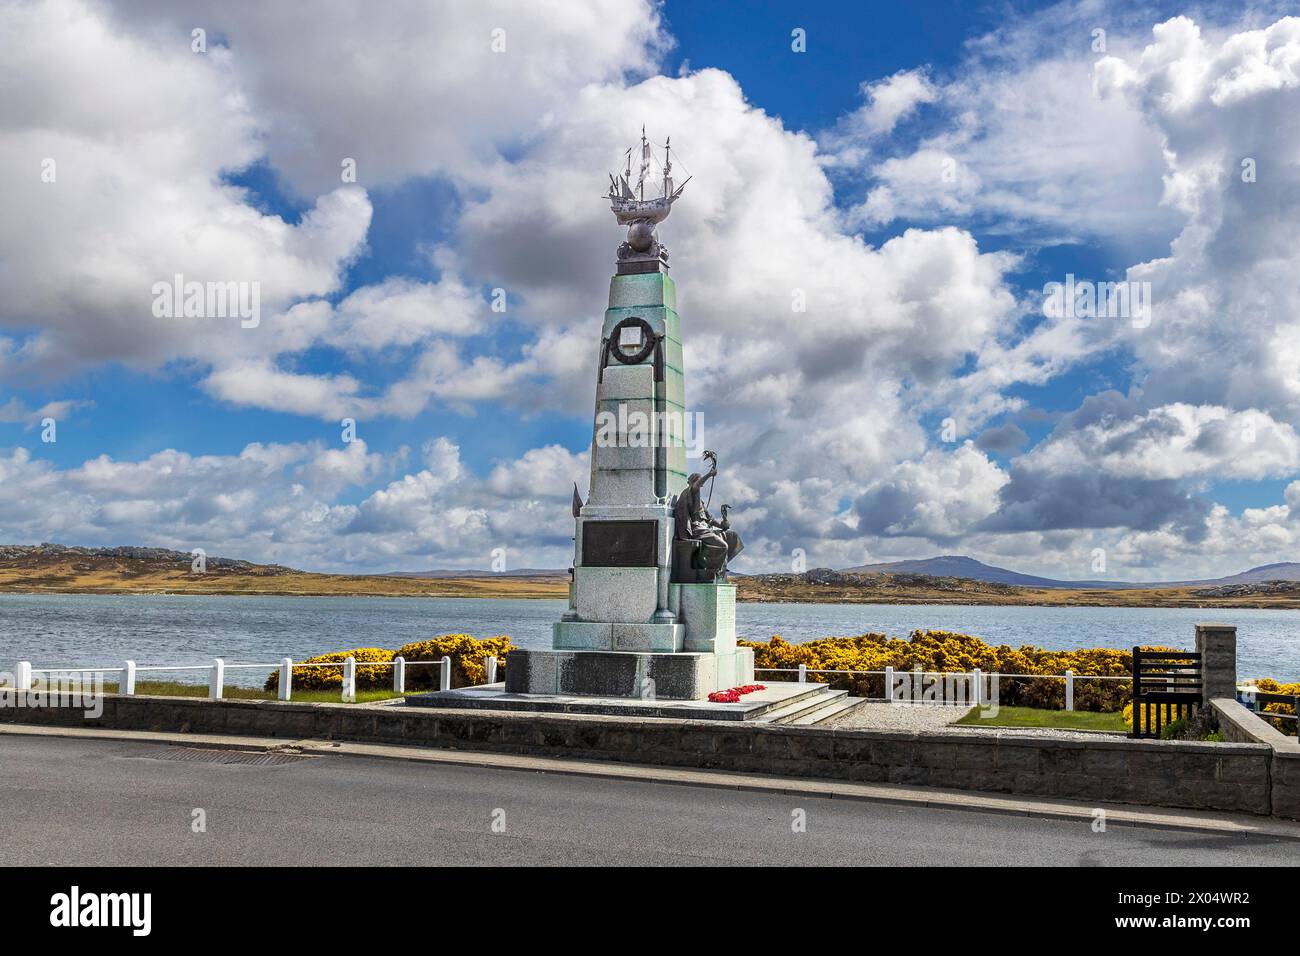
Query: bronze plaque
{"x":620,"y":544}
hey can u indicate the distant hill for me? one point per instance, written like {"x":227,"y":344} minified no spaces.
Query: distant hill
{"x":1284,"y":571}
{"x":960,"y":566}
{"x":59,"y":568}
{"x":141,"y":560}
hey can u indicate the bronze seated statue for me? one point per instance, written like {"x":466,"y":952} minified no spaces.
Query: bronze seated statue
{"x":702,"y":545}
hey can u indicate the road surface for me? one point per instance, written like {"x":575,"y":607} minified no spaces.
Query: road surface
{"x":81,"y":802}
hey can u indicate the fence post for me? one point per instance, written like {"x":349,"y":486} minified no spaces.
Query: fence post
{"x":286,"y":679}
{"x":490,"y":669}
{"x":889,"y":684}
{"x":349,"y":680}
{"x":977,"y":678}
{"x":217,"y":682}
{"x":1069,"y":690}
{"x":444,"y":673}
{"x":1136,"y":729}
{"x":23,"y":679}
{"x":399,"y":675}
{"x":128,"y":679}
{"x":803,"y":673}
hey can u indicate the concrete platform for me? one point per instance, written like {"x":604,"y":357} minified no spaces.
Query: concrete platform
{"x":774,"y":698}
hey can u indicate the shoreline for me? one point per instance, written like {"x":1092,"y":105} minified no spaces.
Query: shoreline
{"x":497,"y":592}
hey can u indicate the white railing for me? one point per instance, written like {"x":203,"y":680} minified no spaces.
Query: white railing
{"x":1247,"y":696}
{"x":976,"y":678}
{"x":216,"y":671}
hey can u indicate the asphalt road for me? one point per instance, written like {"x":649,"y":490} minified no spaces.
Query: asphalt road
{"x":89,"y":802}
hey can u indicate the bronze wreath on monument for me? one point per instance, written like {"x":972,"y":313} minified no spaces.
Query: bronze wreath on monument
{"x":648,"y":337}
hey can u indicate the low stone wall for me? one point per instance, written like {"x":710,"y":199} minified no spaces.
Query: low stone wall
{"x":1239,"y":725}
{"x":1224,"y":776}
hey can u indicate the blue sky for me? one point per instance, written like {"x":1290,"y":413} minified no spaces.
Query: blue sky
{"x":1167,"y":448}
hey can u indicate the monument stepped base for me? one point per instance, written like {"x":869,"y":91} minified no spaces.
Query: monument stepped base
{"x":662,"y":676}
{"x":784,"y":702}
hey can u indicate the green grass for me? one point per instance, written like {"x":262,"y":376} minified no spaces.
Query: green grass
{"x":175,"y":689}
{"x":1056,"y":719}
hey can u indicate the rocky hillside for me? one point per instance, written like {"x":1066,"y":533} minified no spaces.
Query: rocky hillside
{"x":1273,"y":588}
{"x":825,"y":584}
{"x":126,"y":560}
{"x":59,"y":568}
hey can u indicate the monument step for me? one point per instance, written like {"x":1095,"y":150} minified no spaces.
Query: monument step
{"x":792,"y":709}
{"x":835,"y":708}
{"x":778,"y":696}
{"x":794,"y":698}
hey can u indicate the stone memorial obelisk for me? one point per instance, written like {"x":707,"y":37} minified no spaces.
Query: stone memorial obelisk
{"x":651,"y":614}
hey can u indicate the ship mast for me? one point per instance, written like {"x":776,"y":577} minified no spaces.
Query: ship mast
{"x":645,"y":165}
{"x":668,"y":167}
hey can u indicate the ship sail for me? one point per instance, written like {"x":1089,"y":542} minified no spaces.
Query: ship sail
{"x":645,"y":165}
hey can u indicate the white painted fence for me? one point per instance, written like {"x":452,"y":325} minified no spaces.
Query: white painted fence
{"x":975,"y":679}
{"x":216,"y":672}
{"x":216,"y":675}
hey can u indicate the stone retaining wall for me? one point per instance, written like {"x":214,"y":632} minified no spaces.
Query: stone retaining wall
{"x":1239,"y":725}
{"x":1111,"y":769}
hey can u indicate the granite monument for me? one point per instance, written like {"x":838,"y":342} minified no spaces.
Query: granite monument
{"x":651,"y":614}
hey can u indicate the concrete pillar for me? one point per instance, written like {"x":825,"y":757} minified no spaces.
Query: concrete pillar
{"x":444,"y":674}
{"x":1217,"y":645}
{"x":286,"y":679}
{"x":23,"y":677}
{"x":399,"y":675}
{"x":490,"y":669}
{"x":349,"y":680}
{"x":1069,"y":690}
{"x":128,"y":679}
{"x":217,"y":679}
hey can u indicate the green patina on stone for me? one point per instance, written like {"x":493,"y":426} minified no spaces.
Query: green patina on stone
{"x":652,"y":288}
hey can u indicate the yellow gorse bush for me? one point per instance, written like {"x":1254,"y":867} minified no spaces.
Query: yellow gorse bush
{"x":467,"y":664}
{"x":1269,"y":686}
{"x":947,"y":651}
{"x":467,"y":659}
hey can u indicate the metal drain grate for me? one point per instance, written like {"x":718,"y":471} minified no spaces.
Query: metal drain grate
{"x":248,"y":758}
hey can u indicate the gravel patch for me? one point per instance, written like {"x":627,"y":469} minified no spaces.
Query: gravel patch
{"x":918,"y":717}
{"x":931,"y":718}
